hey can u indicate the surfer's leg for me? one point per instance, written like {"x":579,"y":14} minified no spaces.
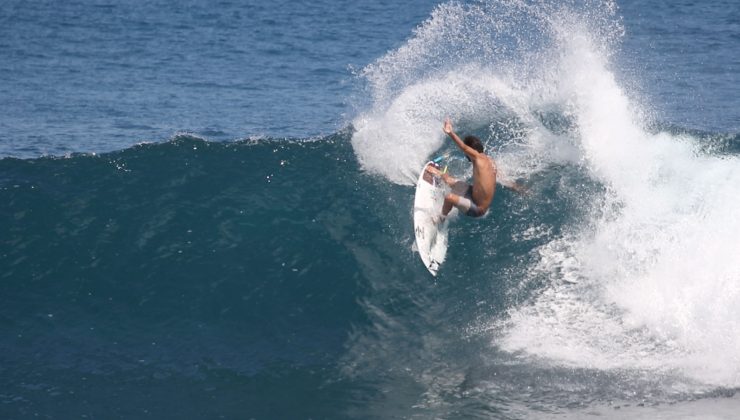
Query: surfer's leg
{"x":465,"y":204}
{"x":450,"y":200}
{"x":459,"y":189}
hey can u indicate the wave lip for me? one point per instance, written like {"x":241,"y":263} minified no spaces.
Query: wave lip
{"x":478,"y":64}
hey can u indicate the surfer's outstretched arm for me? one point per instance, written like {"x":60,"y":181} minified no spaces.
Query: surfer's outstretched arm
{"x":469,"y":151}
{"x":512,"y":185}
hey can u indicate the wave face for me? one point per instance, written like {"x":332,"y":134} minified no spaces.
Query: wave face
{"x":276,"y":278}
{"x":180,"y":268}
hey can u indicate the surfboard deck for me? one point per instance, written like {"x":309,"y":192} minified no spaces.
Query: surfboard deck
{"x":431,"y":234}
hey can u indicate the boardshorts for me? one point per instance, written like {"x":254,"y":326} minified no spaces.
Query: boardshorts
{"x":465,"y":204}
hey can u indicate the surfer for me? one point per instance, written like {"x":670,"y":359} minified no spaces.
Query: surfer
{"x":472,"y":200}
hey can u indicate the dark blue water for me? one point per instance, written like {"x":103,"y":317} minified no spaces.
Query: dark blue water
{"x":688,"y":60}
{"x":205,"y":210}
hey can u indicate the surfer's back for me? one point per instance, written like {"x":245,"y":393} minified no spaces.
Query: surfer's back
{"x":484,"y":180}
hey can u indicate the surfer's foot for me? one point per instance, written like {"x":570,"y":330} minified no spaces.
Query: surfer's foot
{"x":439,"y":219}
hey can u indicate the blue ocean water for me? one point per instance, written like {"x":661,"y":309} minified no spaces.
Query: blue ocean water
{"x":96,"y":76}
{"x":205,"y":210}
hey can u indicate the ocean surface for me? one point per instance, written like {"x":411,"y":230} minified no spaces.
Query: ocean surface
{"x":205,"y":210}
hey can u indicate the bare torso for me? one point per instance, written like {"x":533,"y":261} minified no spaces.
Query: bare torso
{"x":484,"y":181}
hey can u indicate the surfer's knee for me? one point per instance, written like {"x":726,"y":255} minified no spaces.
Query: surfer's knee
{"x":459,"y":188}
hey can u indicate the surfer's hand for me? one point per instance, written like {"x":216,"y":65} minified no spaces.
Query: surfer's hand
{"x":447,"y":128}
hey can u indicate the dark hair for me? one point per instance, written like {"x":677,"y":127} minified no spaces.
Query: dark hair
{"x":473,"y":142}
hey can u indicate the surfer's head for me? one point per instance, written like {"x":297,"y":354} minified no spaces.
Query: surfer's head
{"x":473,"y":142}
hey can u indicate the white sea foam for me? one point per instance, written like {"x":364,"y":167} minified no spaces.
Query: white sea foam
{"x":397,"y":142}
{"x":658,"y":269}
{"x":662,"y":278}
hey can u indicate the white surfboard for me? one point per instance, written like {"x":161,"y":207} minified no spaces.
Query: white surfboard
{"x":431,"y":236}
